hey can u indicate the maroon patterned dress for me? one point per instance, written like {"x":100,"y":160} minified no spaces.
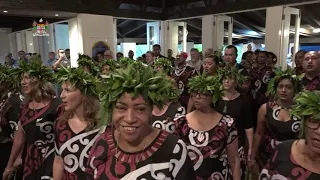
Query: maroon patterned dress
{"x":38,"y":153}
{"x":207,"y":149}
{"x":165,"y":158}
{"x":74,"y":149}
{"x":282,"y":166}
{"x":181,"y":76}
{"x":276,"y":131}
{"x":165,"y":121}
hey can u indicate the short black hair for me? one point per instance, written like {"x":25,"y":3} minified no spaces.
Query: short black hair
{"x":273,"y":56}
{"x":67,"y":50}
{"x":194,"y":49}
{"x":119,"y":53}
{"x":233,"y":47}
{"x":156,"y":45}
{"x":264,"y":52}
{"x":215,"y":58}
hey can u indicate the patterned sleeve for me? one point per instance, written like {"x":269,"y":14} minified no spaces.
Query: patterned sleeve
{"x":179,"y":124}
{"x":97,"y":158}
{"x":180,"y":163}
{"x":232,"y":130}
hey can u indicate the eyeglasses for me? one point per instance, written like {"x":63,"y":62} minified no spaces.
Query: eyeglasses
{"x":200,"y":95}
{"x":313,"y":125}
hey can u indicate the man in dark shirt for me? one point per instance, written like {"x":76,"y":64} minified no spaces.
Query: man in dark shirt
{"x":156,"y":49}
{"x":311,"y":68}
{"x":298,"y":60}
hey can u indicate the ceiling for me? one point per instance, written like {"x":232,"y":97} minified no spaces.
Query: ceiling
{"x":248,"y":24}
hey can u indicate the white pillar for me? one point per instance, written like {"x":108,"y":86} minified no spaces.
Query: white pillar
{"x":213,"y":31}
{"x":190,"y":45}
{"x":51,"y":39}
{"x":278,"y":31}
{"x":31,"y":45}
{"x":23,"y":41}
{"x":85,"y":32}
{"x":153,"y":34}
{"x":164,"y":30}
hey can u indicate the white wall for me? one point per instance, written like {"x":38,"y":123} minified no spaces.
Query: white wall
{"x":4,"y":43}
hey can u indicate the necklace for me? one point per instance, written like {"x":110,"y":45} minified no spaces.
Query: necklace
{"x":226,"y":100}
{"x":140,"y":158}
{"x":179,"y":71}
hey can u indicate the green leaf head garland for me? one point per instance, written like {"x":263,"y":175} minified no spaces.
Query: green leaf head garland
{"x":141,"y":81}
{"x":232,"y":72}
{"x":34,"y":69}
{"x":7,"y":77}
{"x":206,"y":84}
{"x":111,"y":63}
{"x":280,"y":75}
{"x":79,"y":79}
{"x":85,"y":60}
{"x":125,"y":61}
{"x":307,"y":107}
{"x":165,"y":63}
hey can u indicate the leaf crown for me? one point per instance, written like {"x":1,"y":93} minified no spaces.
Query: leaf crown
{"x":232,"y":72}
{"x":79,"y":79}
{"x":110,"y":63}
{"x":125,"y":61}
{"x":137,"y":81}
{"x":206,"y":84}
{"x":34,"y":69}
{"x":85,"y":60}
{"x":306,"y":104}
{"x":279,"y":75}
{"x":6,"y":76}
{"x":165,"y":63}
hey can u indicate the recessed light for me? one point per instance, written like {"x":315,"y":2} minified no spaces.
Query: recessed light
{"x":56,"y":14}
{"x":5,"y":11}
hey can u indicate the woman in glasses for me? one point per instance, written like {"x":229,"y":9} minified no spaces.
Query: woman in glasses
{"x":299,"y":159}
{"x":211,"y":137}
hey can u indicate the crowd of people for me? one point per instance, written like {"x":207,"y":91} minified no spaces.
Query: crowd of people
{"x":159,"y":117}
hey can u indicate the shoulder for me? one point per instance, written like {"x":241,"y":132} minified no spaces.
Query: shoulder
{"x":228,"y":120}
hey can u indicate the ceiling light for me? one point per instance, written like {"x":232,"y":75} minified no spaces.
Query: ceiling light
{"x":317,"y":30}
{"x":5,"y":11}
{"x":302,"y":30}
{"x":56,"y":14}
{"x":30,"y":44}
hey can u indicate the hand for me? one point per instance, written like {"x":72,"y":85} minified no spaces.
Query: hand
{"x":249,"y":155}
{"x":7,"y":173}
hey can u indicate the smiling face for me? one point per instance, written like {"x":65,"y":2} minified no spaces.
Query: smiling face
{"x":285,"y":90}
{"x":131,"y":116}
{"x":71,"y":97}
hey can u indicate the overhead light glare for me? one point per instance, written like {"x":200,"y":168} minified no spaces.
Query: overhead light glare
{"x":5,"y":11}
{"x":317,"y":30}
{"x":56,"y":14}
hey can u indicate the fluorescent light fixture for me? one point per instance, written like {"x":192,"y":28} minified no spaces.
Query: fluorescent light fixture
{"x":317,"y":30}
{"x":30,"y":44}
{"x":56,"y":14}
{"x":5,"y":11}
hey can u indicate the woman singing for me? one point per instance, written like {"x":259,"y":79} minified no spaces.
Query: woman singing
{"x":131,"y":148}
{"x":238,"y":106}
{"x":76,"y":128}
{"x":210,"y":136}
{"x":299,"y":159}
{"x":35,"y":136}
{"x":275,"y":123}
